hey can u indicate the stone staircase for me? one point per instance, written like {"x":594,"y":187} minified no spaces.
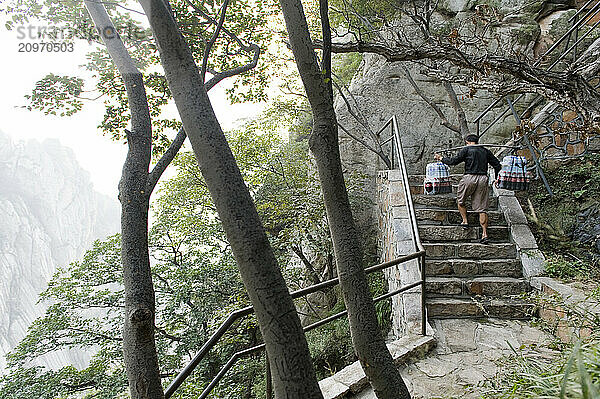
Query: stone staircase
{"x":466,"y":279}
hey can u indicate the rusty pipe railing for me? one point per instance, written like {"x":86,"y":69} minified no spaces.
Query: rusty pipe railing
{"x":577,"y":24}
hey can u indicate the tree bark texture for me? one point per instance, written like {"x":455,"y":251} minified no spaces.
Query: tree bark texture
{"x":139,"y":349}
{"x":367,"y":340}
{"x":287,"y":349}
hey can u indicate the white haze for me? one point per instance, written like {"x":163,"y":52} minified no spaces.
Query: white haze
{"x":52,"y":198}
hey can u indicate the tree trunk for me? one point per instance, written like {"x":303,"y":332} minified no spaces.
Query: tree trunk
{"x":367,"y":340}
{"x":291,"y":367}
{"x":139,"y":350}
{"x":460,"y":112}
{"x":135,"y":187}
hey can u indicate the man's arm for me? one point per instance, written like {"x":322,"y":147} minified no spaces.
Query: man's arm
{"x":460,"y":157}
{"x":494,"y":162}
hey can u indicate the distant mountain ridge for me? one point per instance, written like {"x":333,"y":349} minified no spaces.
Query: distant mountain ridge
{"x":49,"y":216}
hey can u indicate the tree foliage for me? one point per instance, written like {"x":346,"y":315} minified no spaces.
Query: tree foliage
{"x":196,"y":281}
{"x":247,"y":24}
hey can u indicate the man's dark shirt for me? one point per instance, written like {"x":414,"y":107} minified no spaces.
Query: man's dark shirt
{"x":476,"y":159}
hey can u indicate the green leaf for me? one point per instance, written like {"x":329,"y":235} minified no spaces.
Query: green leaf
{"x":588,"y":389}
{"x":568,"y":367}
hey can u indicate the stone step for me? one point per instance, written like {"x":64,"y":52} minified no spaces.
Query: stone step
{"x":452,"y":217}
{"x":352,"y":378}
{"x":433,"y":233}
{"x":504,"y":308}
{"x":421,"y":190}
{"x":467,"y":268}
{"x":470,"y":251}
{"x":483,"y":286}
{"x":446,"y":201}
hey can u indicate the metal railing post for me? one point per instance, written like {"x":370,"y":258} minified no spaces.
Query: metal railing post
{"x":423,"y":296}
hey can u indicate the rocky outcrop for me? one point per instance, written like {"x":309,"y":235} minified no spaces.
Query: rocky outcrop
{"x":49,"y":215}
{"x":587,"y":227}
{"x":380,"y":90}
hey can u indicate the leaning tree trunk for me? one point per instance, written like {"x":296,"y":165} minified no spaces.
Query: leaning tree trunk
{"x":141,"y":361}
{"x":367,"y":340}
{"x":289,"y":358}
{"x":135,"y":188}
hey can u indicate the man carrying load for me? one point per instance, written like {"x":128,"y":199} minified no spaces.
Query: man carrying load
{"x":474,"y":182}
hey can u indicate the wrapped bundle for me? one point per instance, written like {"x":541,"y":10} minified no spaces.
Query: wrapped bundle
{"x":513,"y":175}
{"x":437,"y":179}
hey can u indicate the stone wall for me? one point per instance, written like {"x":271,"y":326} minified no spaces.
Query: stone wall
{"x":395,"y":240}
{"x":567,"y":309}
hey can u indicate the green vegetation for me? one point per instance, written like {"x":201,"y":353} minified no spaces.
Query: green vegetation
{"x":196,"y":281}
{"x":575,"y":184}
{"x":573,"y":371}
{"x":345,"y":66}
{"x":566,"y":268}
{"x":575,"y":374}
{"x":66,"y":95}
{"x":378,"y":12}
{"x":528,"y":30}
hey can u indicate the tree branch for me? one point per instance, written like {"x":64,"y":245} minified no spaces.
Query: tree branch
{"x":213,"y":39}
{"x":460,"y":113}
{"x":165,"y":161}
{"x":166,"y":334}
{"x":445,"y":122}
{"x":570,"y":85}
{"x":326,"y":29}
{"x":235,"y":71}
{"x":80,"y":387}
{"x":314,"y":276}
{"x":95,"y":334}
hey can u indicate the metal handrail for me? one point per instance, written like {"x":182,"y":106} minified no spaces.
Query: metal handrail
{"x":310,"y":327}
{"x":591,"y":13}
{"x":236,"y":315}
{"x":413,"y":221}
{"x":583,"y":7}
{"x":397,"y":153}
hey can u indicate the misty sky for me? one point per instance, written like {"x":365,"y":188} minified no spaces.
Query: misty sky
{"x":100,"y":156}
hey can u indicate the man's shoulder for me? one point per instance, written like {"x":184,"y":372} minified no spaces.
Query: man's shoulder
{"x":479,"y":149}
{"x":474,"y":149}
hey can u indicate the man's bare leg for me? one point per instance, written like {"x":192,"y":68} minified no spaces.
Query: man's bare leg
{"x":463,"y":212}
{"x":483,"y":221}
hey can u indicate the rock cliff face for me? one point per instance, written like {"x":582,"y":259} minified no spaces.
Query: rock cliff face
{"x":49,"y":215}
{"x":380,"y":90}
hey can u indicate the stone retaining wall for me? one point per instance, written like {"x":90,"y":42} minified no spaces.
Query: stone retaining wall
{"x":395,"y":240}
{"x":563,"y":308}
